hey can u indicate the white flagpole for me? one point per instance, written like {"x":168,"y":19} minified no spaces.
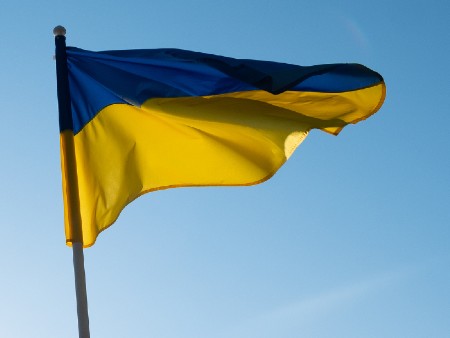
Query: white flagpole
{"x":80,"y":288}
{"x":70,"y":175}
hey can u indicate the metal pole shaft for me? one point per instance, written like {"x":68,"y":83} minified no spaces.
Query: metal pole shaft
{"x":71,"y":181}
{"x":80,"y":288}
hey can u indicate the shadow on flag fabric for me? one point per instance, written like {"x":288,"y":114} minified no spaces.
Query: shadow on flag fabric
{"x":144,"y":120}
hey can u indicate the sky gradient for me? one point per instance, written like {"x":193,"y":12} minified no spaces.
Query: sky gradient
{"x":351,"y":238}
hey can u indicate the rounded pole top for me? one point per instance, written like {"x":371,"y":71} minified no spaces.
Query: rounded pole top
{"x":59,"y":31}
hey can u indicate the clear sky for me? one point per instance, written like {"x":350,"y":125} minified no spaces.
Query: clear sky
{"x":351,"y":238}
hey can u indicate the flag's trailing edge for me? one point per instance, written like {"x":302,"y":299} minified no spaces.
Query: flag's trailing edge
{"x":144,"y":120}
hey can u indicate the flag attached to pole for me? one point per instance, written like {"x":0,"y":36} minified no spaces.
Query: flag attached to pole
{"x":144,"y":120}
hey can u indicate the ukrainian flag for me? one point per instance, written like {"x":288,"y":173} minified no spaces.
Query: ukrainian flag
{"x":144,"y":120}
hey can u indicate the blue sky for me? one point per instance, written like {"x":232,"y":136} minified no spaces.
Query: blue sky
{"x":351,"y":238}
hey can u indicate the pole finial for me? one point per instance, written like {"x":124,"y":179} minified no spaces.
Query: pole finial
{"x":59,"y":30}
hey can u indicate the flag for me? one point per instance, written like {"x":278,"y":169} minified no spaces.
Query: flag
{"x":145,"y":120}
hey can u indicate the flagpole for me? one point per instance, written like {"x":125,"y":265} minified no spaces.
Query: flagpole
{"x":71,"y":181}
{"x":80,"y":289}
